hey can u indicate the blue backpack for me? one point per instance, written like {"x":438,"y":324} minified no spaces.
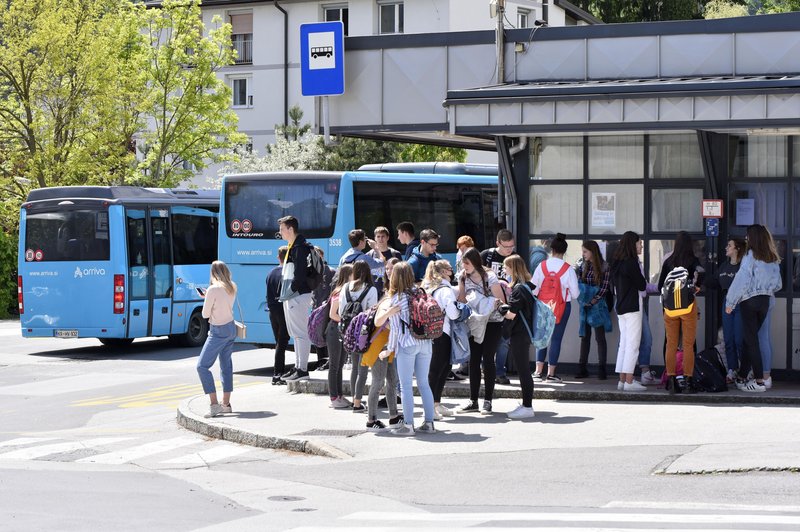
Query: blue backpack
{"x":544,"y":322}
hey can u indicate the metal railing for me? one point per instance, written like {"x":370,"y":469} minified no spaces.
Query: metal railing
{"x":243,"y":44}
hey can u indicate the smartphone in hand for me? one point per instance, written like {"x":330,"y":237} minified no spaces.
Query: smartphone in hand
{"x":201,"y":291}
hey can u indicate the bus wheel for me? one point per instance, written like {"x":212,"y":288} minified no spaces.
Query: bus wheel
{"x":196,"y":331}
{"x":116,"y":342}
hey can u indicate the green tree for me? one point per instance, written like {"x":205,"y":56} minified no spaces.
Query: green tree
{"x":187,"y":106}
{"x":416,"y":153}
{"x":724,"y":9}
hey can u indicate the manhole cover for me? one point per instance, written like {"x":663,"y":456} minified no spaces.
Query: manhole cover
{"x":325,"y":432}
{"x":304,"y":510}
{"x":285,"y":498}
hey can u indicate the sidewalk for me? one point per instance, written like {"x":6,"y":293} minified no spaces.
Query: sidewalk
{"x":574,"y":414}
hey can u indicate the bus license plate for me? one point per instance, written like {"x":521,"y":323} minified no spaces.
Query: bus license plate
{"x":66,"y":333}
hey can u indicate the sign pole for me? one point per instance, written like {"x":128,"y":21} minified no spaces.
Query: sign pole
{"x":326,"y":122}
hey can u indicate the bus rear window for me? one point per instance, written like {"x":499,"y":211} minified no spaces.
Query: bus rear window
{"x":67,"y":235}
{"x":252,"y":209}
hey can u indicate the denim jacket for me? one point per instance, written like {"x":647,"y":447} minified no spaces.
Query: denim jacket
{"x":754,"y":278}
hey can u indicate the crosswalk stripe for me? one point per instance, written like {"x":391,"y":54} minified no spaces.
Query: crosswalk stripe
{"x":23,"y":441}
{"x":327,"y":528}
{"x":593,"y":517}
{"x":31,"y":453}
{"x":711,"y":507}
{"x":140,"y":451}
{"x":215,"y":454}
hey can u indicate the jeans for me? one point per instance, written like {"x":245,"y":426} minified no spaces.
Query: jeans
{"x":732,"y":333}
{"x":297,"y":311}
{"x":218,"y":344}
{"x":382,"y":372}
{"x":501,"y":356}
{"x":337,"y":357}
{"x":630,"y":336}
{"x":646,"y":343}
{"x":278,"y":321}
{"x":764,"y":342}
{"x":754,"y":314}
{"x":358,"y":376}
{"x":415,"y":360}
{"x":555,"y":341}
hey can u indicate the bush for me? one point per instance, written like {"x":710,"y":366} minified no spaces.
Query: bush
{"x":8,"y":276}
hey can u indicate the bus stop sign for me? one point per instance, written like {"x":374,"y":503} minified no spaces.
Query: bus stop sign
{"x":322,"y":58}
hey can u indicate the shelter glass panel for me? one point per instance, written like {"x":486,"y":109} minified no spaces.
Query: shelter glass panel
{"x":797,"y":207}
{"x":758,"y":156}
{"x":557,"y":158}
{"x":796,"y":266}
{"x":674,"y":156}
{"x":796,"y":156}
{"x":760,"y":203}
{"x":677,"y":209}
{"x":616,"y":157}
{"x":573,"y":254}
{"x":661,"y":249}
{"x":556,"y":208}
{"x":614,"y":209}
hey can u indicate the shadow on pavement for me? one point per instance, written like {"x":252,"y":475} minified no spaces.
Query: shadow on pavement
{"x":553,"y":418}
{"x":145,"y":350}
{"x":253,"y":415}
{"x":441,"y":436}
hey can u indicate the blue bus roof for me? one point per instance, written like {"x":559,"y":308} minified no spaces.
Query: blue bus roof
{"x":433,"y":168}
{"x":364,"y":176}
{"x":125,"y":195}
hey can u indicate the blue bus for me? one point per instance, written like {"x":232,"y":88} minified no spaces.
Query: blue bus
{"x":116,"y":263}
{"x":328,"y":205}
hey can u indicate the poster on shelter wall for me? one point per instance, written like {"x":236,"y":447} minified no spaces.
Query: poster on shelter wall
{"x":745,"y":211}
{"x":604,"y":212}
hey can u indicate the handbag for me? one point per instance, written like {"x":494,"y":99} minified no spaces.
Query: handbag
{"x":241,"y":328}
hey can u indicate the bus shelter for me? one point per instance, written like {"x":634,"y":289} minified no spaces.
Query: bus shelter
{"x":608,"y":128}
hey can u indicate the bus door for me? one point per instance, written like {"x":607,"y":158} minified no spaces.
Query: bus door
{"x":161,"y":245}
{"x":138,"y":273}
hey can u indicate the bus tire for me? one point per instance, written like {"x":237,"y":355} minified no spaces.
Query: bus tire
{"x":116,"y":342}
{"x":196,"y":331}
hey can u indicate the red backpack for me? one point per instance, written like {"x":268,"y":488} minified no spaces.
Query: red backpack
{"x":427,"y":317}
{"x":550,"y":292}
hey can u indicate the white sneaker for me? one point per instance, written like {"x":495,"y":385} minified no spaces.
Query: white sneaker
{"x":436,"y":415}
{"x":650,"y":378}
{"x":521,"y":412}
{"x":444,"y":411}
{"x":753,"y":386}
{"x":768,"y":383}
{"x":225,"y":409}
{"x":634,"y":387}
{"x":620,"y":385}
{"x":404,"y":430}
{"x":740,"y":384}
{"x":214,"y":410}
{"x":731,"y":377}
{"x":340,"y":403}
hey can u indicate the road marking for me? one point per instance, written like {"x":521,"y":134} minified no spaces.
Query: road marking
{"x":170,"y":395}
{"x":593,"y":517}
{"x":327,"y":528}
{"x":713,"y":507}
{"x":23,"y":441}
{"x":78,"y":383}
{"x":215,"y":454}
{"x":140,"y":451}
{"x":39,"y":451}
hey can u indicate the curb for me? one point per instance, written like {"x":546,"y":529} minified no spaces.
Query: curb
{"x":458,"y":391}
{"x":190,"y":421}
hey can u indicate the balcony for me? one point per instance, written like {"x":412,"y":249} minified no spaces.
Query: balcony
{"x":243,"y":44}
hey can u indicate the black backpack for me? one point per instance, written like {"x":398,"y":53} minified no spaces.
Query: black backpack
{"x":352,"y":308}
{"x":709,"y":372}
{"x":315,"y":268}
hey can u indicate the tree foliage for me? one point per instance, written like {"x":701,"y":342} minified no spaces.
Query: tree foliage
{"x":724,"y":9}
{"x":611,"y":11}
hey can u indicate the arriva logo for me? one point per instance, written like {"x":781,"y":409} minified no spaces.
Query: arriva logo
{"x":80,"y":273}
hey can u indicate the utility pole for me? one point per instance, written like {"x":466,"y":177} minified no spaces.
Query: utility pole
{"x":500,"y":40}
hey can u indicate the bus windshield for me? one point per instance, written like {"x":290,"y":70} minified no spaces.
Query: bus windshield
{"x":252,"y":209}
{"x":67,"y":235}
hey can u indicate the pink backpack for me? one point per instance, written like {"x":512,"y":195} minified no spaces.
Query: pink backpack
{"x":678,"y":368}
{"x":427,"y":317}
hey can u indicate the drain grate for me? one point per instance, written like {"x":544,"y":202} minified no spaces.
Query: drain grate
{"x":326,"y":432}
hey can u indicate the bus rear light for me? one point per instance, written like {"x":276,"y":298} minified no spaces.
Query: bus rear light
{"x":19,"y":295}
{"x":119,"y":294}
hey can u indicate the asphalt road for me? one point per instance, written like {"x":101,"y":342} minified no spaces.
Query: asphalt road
{"x":88,"y":441}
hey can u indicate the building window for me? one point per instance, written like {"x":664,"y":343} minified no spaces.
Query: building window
{"x":614,"y":209}
{"x":338,"y":13}
{"x":557,"y":157}
{"x":242,"y":92}
{"x":523,"y":18}
{"x":556,"y":208}
{"x":676,"y":209}
{"x":675,"y":156}
{"x":616,"y":157}
{"x":242,"y":37}
{"x":391,"y":17}
{"x":760,"y":203}
{"x":759,"y":156}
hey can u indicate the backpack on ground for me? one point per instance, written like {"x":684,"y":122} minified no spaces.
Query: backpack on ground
{"x":352,"y":308}
{"x":318,"y":322}
{"x":550,"y":292}
{"x":544,"y":322}
{"x":709,"y":372}
{"x":359,"y":333}
{"x":677,"y":296}
{"x":315,"y":271}
{"x":427,"y":317}
{"x":678,"y":368}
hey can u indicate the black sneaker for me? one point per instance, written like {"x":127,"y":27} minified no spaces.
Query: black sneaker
{"x":502,"y":380}
{"x":553,"y":378}
{"x":360,"y":409}
{"x":375,"y":426}
{"x":396,"y":422}
{"x":462,"y":373}
{"x":472,"y":406}
{"x":286,"y":376}
{"x":383,"y":403}
{"x":454,"y":377}
{"x":581,"y":374}
{"x":325,"y":366}
{"x":298,"y":375}
{"x":487,"y":408}
{"x":277,"y":381}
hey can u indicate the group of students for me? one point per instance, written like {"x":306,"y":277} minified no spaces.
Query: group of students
{"x":385,"y":279}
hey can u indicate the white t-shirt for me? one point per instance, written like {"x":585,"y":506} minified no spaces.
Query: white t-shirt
{"x":370,"y":299}
{"x":569,"y":279}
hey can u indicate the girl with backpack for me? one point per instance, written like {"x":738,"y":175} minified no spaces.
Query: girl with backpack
{"x":758,"y":279}
{"x":593,"y":278}
{"x":484,"y":283}
{"x":437,"y":283}
{"x":555,"y":284}
{"x":333,"y":338}
{"x":520,"y":307}
{"x":682,"y":325}
{"x":413,"y":355}
{"x":356,"y":296}
{"x":628,"y":283}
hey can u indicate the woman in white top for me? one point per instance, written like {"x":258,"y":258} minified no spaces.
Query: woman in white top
{"x":555,"y":265}
{"x":218,"y":309}
{"x":437,"y":283}
{"x":360,"y":285}
{"x":412,"y":354}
